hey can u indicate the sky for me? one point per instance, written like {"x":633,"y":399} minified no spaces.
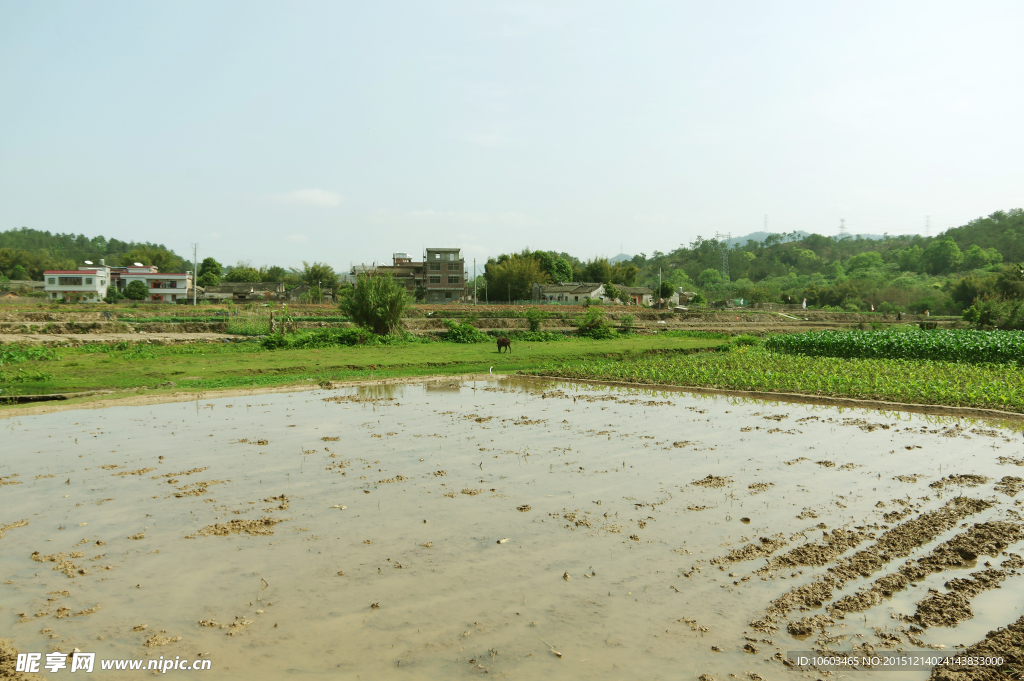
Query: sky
{"x":342,"y":132}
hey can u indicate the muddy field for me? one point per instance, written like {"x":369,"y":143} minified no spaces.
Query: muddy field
{"x":507,"y":529}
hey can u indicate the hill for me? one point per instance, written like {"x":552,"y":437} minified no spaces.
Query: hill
{"x":26,"y":253}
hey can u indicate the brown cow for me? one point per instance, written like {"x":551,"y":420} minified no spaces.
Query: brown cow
{"x":504,"y":343}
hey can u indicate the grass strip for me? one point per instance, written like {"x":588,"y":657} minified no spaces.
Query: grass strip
{"x":985,"y":386}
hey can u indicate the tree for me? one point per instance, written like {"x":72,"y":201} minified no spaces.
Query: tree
{"x":377,"y":303}
{"x":163,"y":259}
{"x":942,"y":256}
{"x":666,"y":290}
{"x":136,"y":290}
{"x":211,"y":266}
{"x":624,"y":273}
{"x":19,"y":273}
{"x":709,"y":278}
{"x":562,"y":270}
{"x":275,"y":273}
{"x":511,"y":277}
{"x":597,"y":270}
{"x":208,"y":279}
{"x":909,"y":259}
{"x":864,"y":260}
{"x":318,"y":274}
{"x":247,"y":274}
{"x":612,"y":292}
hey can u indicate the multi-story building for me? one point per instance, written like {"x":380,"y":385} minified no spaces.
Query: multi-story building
{"x":445,"y":276}
{"x":90,"y":284}
{"x":86,"y":284}
{"x":165,"y":287}
{"x":441,"y":275}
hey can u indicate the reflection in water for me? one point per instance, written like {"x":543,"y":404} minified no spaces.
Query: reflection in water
{"x":375,"y":531}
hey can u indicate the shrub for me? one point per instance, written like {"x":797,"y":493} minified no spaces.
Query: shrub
{"x":746,"y":339}
{"x":534,"y":317}
{"x":463,"y":333}
{"x":113,"y":295}
{"x":626,"y":323}
{"x":377,"y":303}
{"x":698,"y":299}
{"x":593,"y":324}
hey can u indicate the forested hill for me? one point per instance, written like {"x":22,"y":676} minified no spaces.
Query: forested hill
{"x":25,"y":253}
{"x":1003,"y":231}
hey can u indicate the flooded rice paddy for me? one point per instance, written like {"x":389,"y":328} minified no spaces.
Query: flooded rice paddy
{"x":507,"y":529}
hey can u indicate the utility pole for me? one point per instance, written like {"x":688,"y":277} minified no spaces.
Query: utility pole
{"x":476,"y":296}
{"x":723,"y":243}
{"x":195,"y":273}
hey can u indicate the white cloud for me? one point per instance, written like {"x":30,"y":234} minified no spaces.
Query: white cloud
{"x":310,"y":197}
{"x":462,"y":217}
{"x":297,"y":238}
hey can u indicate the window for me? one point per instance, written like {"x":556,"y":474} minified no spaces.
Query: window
{"x":53,"y":295}
{"x":174,"y":284}
{"x":435,"y":280}
{"x":437,"y":256}
{"x":576,"y":298}
{"x":451,"y":256}
{"x":173,"y":297}
{"x":69,"y":281}
{"x":103,"y":282}
{"x":88,"y":280}
{"x":51,"y":281}
{"x":447,"y":295}
{"x":435,"y":267}
{"x":453,"y":279}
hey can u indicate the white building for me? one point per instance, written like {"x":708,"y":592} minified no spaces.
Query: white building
{"x":168,"y":287}
{"x":89,"y":284}
{"x":86,"y":284}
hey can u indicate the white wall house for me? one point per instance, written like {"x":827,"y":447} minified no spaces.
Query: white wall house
{"x":167,"y":287}
{"x":88,"y":285}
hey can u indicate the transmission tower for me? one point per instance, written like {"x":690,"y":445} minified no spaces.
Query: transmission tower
{"x":723,"y":243}
{"x":842,"y":229}
{"x":927,"y":225}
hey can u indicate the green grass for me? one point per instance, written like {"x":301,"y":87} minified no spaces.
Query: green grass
{"x":753,"y":368}
{"x":975,"y":347}
{"x":211,"y":366}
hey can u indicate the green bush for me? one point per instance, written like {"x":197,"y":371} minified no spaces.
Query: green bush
{"x":11,"y":354}
{"x":746,"y":339}
{"x":626,"y":323}
{"x":377,"y":303}
{"x":136,"y":290}
{"x":464,"y":333}
{"x":593,"y":324}
{"x":698,"y":300}
{"x":534,"y":317}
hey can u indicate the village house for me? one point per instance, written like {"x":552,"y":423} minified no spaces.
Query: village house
{"x":167,"y":287}
{"x":635,"y":295}
{"x":240,"y":291}
{"x":86,"y":284}
{"x":567,"y":292}
{"x":441,"y":277}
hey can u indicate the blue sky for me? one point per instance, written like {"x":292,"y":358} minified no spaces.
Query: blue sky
{"x":345,"y":131}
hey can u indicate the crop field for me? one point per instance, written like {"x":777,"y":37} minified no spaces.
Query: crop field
{"x":974,"y":347}
{"x":757,"y":369}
